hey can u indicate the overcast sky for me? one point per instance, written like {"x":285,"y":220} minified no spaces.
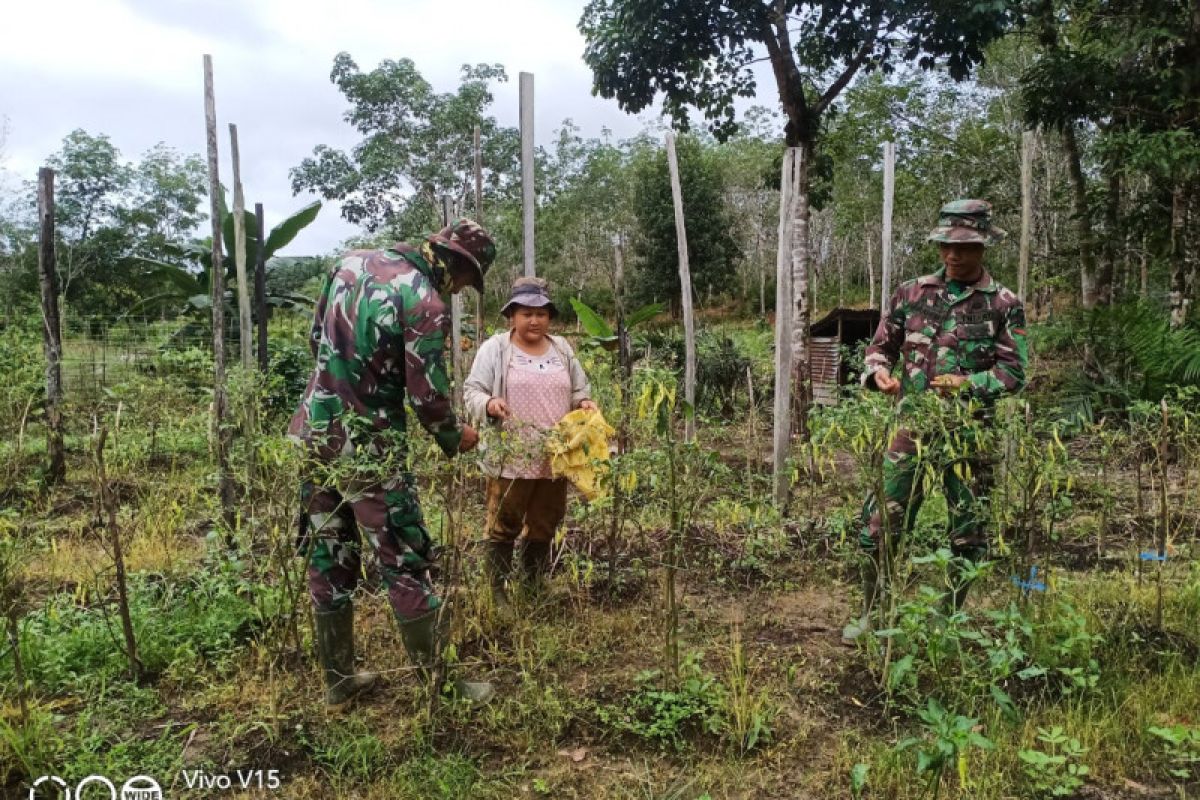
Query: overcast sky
{"x":132,"y":69}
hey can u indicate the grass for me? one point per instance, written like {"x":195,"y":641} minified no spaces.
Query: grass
{"x":777,"y":707}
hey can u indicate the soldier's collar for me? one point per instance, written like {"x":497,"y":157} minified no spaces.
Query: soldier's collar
{"x":984,"y":284}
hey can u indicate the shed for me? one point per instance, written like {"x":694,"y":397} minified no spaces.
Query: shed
{"x":841,"y":326}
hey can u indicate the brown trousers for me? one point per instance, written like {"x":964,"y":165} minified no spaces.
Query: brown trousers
{"x":535,"y":506}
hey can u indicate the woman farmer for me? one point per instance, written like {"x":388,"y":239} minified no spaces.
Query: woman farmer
{"x":524,"y":380}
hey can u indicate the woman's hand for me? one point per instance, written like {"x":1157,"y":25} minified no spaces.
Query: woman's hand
{"x":588,"y":405}
{"x":497,"y":408}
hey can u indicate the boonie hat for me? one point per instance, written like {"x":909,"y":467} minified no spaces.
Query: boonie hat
{"x":966,"y":222}
{"x":467,"y":238}
{"x":531,"y":293}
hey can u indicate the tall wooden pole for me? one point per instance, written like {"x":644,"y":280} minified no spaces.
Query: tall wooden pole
{"x":260,"y":288}
{"x":1027,"y":142}
{"x":456,"y":314}
{"x":528,"y":198}
{"x":245,"y":334}
{"x":479,"y":219}
{"x":889,"y":197}
{"x":222,"y":435}
{"x":51,"y":327}
{"x":783,"y":331}
{"x":801,"y":299}
{"x":685,"y":290}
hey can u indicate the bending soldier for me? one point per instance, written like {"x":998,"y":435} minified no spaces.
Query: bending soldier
{"x":955,"y":331}
{"x":378,"y":336}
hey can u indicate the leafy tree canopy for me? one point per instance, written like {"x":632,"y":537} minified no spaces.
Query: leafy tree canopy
{"x":417,"y":146}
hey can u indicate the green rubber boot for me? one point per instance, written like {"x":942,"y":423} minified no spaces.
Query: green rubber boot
{"x":424,"y":638}
{"x":335,"y":650}
{"x":497,"y":565}
{"x":873,"y":591}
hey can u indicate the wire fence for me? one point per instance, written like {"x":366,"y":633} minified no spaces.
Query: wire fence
{"x":99,"y":353}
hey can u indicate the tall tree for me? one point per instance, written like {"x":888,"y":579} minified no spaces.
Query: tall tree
{"x":417,"y":146}
{"x":698,"y":55}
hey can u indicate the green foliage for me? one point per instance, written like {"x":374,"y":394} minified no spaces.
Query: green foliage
{"x":947,"y":741}
{"x":1180,"y":750}
{"x":669,"y":717}
{"x":417,"y":146}
{"x":1055,"y":770}
{"x":712,"y":250}
{"x":179,"y":626}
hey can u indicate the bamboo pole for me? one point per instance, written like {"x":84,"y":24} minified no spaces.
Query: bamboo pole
{"x":222,"y":435}
{"x":260,"y":288}
{"x":479,"y":298}
{"x":783,"y":331}
{"x":1027,"y":142}
{"x":51,"y":327}
{"x":528,"y":199}
{"x":245,"y":332}
{"x":889,"y":197}
{"x":685,"y":290}
{"x":456,"y":314}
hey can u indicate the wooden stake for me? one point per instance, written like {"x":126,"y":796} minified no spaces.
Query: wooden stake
{"x":245,"y":332}
{"x":528,"y":198}
{"x":783,"y":331}
{"x":1027,"y":142}
{"x":51,"y":327}
{"x":221,"y":434}
{"x":889,"y":196}
{"x":478,"y":218}
{"x":456,"y":314}
{"x":108,"y":504}
{"x":260,"y":289}
{"x":685,"y":290}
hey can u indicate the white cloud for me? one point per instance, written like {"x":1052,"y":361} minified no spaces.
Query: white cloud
{"x":132,"y":69}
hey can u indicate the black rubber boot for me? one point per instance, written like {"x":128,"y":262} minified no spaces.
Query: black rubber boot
{"x":535,"y":561}
{"x":424,"y":638}
{"x":335,"y":649}
{"x":873,"y":590}
{"x":497,"y":564}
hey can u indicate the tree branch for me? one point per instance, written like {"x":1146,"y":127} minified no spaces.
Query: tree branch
{"x":848,"y":74}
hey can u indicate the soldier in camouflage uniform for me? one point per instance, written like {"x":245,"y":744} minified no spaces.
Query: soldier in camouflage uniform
{"x":962,"y":334}
{"x":379,"y":336}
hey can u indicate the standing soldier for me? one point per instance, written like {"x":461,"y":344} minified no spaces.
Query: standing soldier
{"x":958,"y":332}
{"x":378,"y":335}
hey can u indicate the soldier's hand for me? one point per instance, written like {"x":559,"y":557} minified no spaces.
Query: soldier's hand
{"x":886,"y":383}
{"x":497,"y":408}
{"x":469,"y":439}
{"x":948,"y":385}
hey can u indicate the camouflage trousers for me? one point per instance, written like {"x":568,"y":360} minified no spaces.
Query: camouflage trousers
{"x":390,"y":516}
{"x":966,"y":482}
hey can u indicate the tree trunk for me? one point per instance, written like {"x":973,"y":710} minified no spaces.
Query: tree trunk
{"x":1182,"y":278}
{"x":1083,"y":222}
{"x":783,"y":332}
{"x":1112,"y":207}
{"x":51,"y":327}
{"x":801,"y":375}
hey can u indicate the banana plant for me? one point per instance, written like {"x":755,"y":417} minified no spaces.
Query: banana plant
{"x":189,"y":276}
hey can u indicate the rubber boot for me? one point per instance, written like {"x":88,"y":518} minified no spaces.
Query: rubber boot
{"x":424,"y":638}
{"x":960,"y":584}
{"x":335,"y":649}
{"x":497,"y":564}
{"x":535,"y":561}
{"x":873,"y":591}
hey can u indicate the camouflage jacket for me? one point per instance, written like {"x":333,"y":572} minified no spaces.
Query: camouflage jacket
{"x":378,"y":334}
{"x":939,"y":327}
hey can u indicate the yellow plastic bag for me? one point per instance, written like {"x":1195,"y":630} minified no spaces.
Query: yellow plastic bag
{"x":578,"y":449}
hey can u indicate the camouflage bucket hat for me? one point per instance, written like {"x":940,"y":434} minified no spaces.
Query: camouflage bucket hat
{"x":966,"y":222}
{"x":468,"y":239}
